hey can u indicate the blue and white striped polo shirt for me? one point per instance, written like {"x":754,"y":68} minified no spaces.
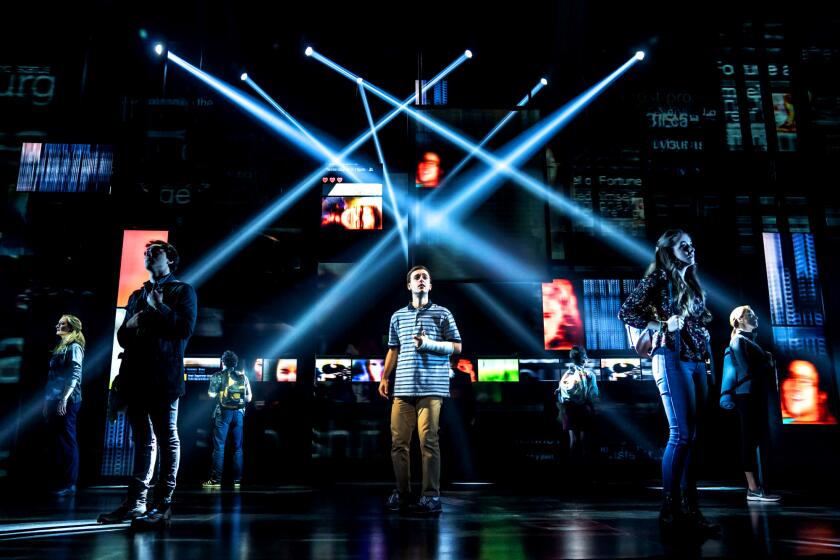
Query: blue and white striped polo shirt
{"x":419,"y":373}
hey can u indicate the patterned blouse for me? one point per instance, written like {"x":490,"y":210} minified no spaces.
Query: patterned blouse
{"x":650,"y":301}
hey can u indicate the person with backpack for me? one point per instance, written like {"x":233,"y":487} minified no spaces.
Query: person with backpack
{"x":232,"y":392}
{"x":576,"y":396}
{"x":670,"y":304}
{"x":747,"y":386}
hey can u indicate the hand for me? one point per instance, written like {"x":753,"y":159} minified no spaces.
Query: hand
{"x":675,"y":322}
{"x":155,"y":298}
{"x":133,"y":322}
{"x":419,"y":340}
{"x":61,"y":408}
{"x":383,"y":388}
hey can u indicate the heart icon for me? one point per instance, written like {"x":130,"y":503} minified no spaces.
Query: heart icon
{"x":332,"y":179}
{"x":323,"y":179}
{"x":340,"y":179}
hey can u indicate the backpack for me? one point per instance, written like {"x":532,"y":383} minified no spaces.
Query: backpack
{"x":731,"y":380}
{"x":232,"y":392}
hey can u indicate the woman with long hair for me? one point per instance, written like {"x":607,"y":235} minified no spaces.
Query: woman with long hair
{"x":62,"y":399}
{"x":670,"y":303}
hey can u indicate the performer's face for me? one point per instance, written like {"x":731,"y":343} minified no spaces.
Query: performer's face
{"x":684,"y":250}
{"x":420,"y":282}
{"x":800,"y":392}
{"x":155,"y":259}
{"x":63,"y":327}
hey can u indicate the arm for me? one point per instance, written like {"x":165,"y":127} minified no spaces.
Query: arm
{"x":390,"y":366}
{"x":636,"y":310}
{"x":126,"y":334}
{"x":248,"y":394}
{"x":178,"y":320}
{"x":740,"y":359}
{"x":76,"y":359}
{"x":213,"y":389}
{"x":451,"y":343}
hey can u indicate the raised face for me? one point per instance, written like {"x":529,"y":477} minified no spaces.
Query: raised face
{"x":155,"y":259}
{"x":420,"y":282}
{"x":749,"y":320}
{"x":684,"y":250}
{"x":63,"y":327}
{"x":800,"y":392}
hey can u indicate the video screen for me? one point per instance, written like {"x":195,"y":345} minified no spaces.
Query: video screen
{"x":804,"y":398}
{"x":539,"y":370}
{"x":65,"y":168}
{"x":352,"y":206}
{"x":367,"y":370}
{"x":333,"y":369}
{"x":621,"y":369}
{"x":466,"y":366}
{"x":201,"y":369}
{"x":562,"y":325}
{"x":498,"y":369}
{"x":283,"y":370}
{"x":602,"y":300}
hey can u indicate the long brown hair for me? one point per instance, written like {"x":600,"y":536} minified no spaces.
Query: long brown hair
{"x":685,"y":288}
{"x":75,"y":334}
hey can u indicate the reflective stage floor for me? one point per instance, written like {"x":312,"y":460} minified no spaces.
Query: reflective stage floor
{"x":349,"y":521}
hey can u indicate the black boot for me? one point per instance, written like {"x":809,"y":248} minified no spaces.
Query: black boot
{"x":159,"y":517}
{"x":670,"y":515}
{"x":128,"y":511}
{"x":694,"y":518}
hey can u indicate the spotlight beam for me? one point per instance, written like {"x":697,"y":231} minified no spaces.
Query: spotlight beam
{"x":231,"y":245}
{"x":326,"y":152}
{"x":395,"y":207}
{"x":493,"y":132}
{"x":514,"y":327}
{"x":250,"y":106}
{"x":520,"y":150}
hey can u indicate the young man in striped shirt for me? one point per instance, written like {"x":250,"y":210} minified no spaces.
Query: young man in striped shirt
{"x":422,"y":337}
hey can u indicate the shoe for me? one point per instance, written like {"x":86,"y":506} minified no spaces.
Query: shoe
{"x":670,"y":516}
{"x":428,"y":505}
{"x":760,"y":496}
{"x":65,"y":492}
{"x":694,"y":518}
{"x":396,"y":501}
{"x":128,"y":511}
{"x":159,"y":517}
{"x":212,"y":483}
{"x":237,"y":484}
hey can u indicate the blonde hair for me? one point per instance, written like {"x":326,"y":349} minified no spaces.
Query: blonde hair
{"x":735,"y":316}
{"x":75,"y":334}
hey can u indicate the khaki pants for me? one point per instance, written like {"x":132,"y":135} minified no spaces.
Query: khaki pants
{"x":406,"y":413}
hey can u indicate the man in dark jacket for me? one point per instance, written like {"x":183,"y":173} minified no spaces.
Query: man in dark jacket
{"x":159,"y":320}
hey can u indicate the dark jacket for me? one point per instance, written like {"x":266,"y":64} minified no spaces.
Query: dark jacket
{"x":748,"y":370}
{"x":66,"y":371}
{"x":153,"y":358}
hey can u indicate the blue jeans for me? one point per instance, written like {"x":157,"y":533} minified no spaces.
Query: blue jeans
{"x":63,"y":432}
{"x":682,"y":387}
{"x":227,"y":420}
{"x":154,"y":428}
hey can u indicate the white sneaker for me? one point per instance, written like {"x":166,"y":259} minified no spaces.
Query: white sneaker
{"x":760,"y":496}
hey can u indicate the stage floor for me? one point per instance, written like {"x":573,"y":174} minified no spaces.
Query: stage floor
{"x":349,"y":521}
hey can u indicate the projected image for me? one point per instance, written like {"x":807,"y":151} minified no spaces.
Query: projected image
{"x":352,"y":206}
{"x":602,"y":299}
{"x":367,"y":370}
{"x":429,"y":171}
{"x":802,"y":399}
{"x":286,"y":370}
{"x":466,"y":366}
{"x":270,"y":369}
{"x":333,"y":369}
{"x":539,"y":370}
{"x":562,"y":325}
{"x":498,"y":369}
{"x":201,"y":369}
{"x":621,"y":369}
{"x":65,"y":168}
